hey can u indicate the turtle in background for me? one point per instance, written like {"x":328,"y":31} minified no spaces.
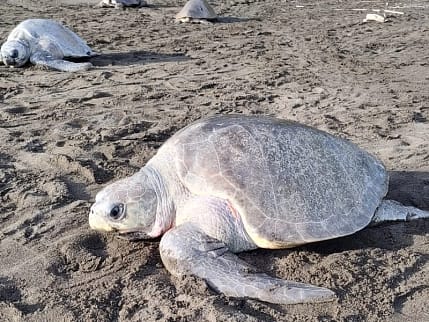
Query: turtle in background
{"x":46,"y":43}
{"x":197,"y":11}
{"x":121,"y":4}
{"x":229,"y":184}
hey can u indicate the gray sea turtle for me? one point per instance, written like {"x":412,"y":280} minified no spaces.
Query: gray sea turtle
{"x":120,"y":4}
{"x":196,"y":11}
{"x":44,"y":42}
{"x":234,"y":183}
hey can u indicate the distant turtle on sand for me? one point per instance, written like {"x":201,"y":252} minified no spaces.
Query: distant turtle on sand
{"x":229,"y":184}
{"x":45,"y":42}
{"x":196,"y":11}
{"x":120,"y":4}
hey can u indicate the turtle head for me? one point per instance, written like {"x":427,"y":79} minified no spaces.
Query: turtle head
{"x":128,"y":207}
{"x":15,"y":53}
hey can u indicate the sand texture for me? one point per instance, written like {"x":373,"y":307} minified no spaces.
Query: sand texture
{"x":63,"y":136}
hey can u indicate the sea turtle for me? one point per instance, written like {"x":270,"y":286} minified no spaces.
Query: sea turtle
{"x":44,"y":42}
{"x":228,"y":184}
{"x":120,"y":4}
{"x":196,"y":11}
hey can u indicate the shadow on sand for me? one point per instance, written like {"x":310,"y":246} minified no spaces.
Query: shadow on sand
{"x":410,"y":188}
{"x":135,"y":57}
{"x":234,"y":19}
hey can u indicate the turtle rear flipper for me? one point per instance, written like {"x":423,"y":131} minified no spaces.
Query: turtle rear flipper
{"x":390,"y":210}
{"x":58,"y":64}
{"x":187,"y":251}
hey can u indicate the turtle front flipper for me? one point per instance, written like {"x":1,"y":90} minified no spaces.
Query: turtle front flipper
{"x":185,"y":250}
{"x":58,"y":64}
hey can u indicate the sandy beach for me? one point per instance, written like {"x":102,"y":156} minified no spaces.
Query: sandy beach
{"x":64,"y":136}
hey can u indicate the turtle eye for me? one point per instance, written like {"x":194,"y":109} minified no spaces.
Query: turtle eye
{"x":14,"y":54}
{"x":117,"y":211}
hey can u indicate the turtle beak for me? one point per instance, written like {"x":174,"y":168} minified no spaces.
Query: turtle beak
{"x":97,"y":222}
{"x":9,"y":61}
{"x":10,"y":58}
